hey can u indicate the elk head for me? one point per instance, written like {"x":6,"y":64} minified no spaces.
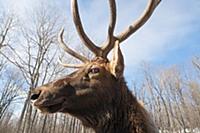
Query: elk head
{"x":96,"y":83}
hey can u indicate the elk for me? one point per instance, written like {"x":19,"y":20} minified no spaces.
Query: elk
{"x":96,"y":93}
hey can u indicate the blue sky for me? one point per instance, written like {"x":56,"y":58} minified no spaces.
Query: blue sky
{"x":171,"y":36}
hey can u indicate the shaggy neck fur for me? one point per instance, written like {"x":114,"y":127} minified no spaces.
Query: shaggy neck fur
{"x":123,"y":115}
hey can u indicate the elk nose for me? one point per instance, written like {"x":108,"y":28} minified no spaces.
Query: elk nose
{"x":35,"y":95}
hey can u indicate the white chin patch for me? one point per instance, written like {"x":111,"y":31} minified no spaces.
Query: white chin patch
{"x":83,"y":91}
{"x":39,"y":111}
{"x":32,"y":104}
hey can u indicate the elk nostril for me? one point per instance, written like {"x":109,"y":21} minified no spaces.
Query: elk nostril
{"x":35,"y":96}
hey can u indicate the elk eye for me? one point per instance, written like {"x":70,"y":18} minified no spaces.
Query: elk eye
{"x":94,"y":70}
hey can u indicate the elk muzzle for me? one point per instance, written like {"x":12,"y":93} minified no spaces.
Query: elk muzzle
{"x":50,"y":98}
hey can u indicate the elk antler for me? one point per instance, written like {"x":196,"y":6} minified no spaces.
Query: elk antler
{"x":81,"y":32}
{"x":132,"y":28}
{"x":68,"y":50}
{"x":111,"y":39}
{"x":71,"y":65}
{"x":141,"y":21}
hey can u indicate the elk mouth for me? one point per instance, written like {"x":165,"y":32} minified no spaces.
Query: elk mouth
{"x":51,"y":101}
{"x":49,"y":107}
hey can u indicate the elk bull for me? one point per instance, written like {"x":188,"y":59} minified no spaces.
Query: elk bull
{"x":97,"y":93}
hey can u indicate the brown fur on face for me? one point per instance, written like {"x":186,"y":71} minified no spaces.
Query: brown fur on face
{"x":79,"y":90}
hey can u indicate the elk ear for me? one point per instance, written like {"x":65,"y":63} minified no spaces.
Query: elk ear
{"x":117,"y":62}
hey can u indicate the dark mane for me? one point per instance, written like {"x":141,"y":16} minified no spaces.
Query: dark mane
{"x":124,"y":114}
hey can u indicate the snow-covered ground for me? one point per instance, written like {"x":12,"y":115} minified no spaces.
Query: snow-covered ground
{"x":196,"y":130}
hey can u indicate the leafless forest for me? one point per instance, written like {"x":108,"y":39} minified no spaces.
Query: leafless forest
{"x":28,"y":58}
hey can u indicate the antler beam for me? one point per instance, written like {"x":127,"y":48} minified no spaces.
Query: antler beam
{"x":109,"y":44}
{"x":111,"y":38}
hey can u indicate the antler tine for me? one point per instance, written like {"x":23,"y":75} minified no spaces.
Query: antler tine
{"x":141,"y":21}
{"x":109,"y":43}
{"x":70,"y":65}
{"x":67,"y":49}
{"x":76,"y":17}
{"x":112,"y":19}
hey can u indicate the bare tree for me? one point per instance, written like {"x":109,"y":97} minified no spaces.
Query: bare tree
{"x":10,"y":91}
{"x":196,"y":63}
{"x":35,"y":56}
{"x":8,"y":23}
{"x":172,"y":96}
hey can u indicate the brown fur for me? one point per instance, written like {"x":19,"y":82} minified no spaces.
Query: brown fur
{"x":96,"y":93}
{"x":102,"y":102}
